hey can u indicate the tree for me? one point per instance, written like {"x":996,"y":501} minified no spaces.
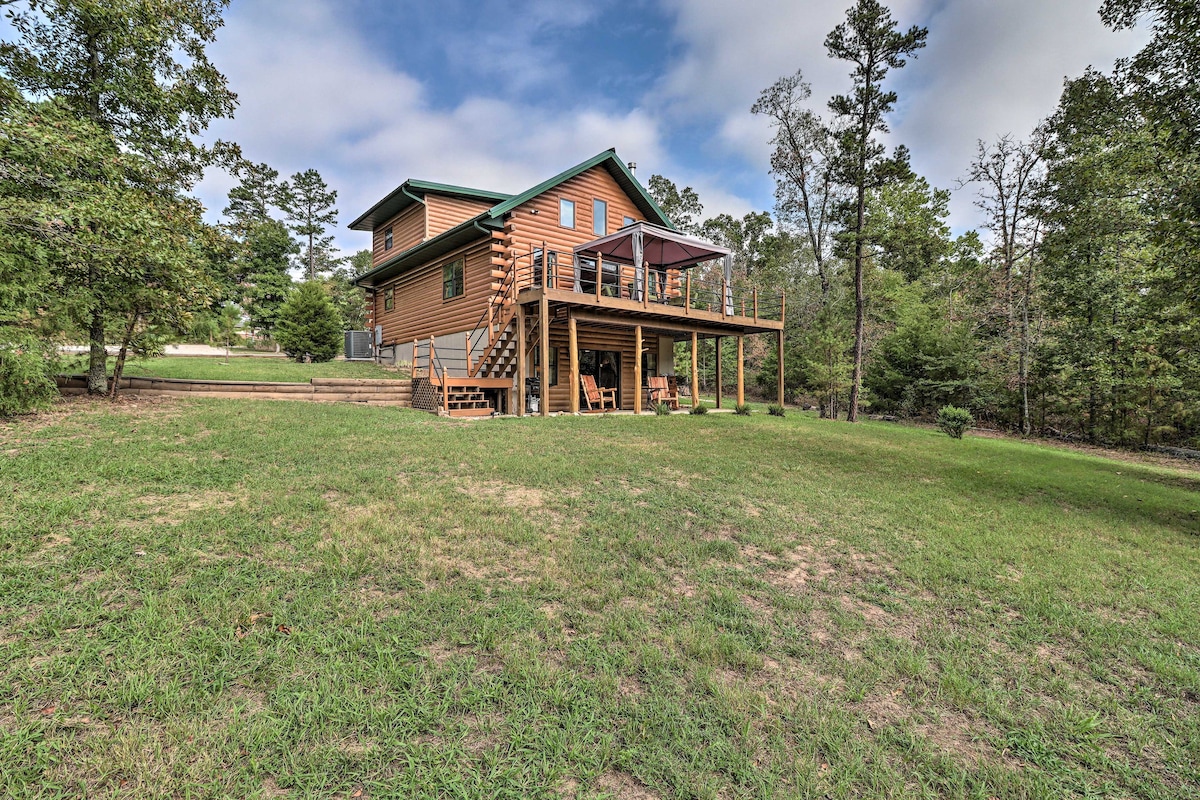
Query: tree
{"x":251,"y":201}
{"x":310,"y":328}
{"x":138,"y":72}
{"x":805,"y":192}
{"x":683,"y":208}
{"x":229,"y":322}
{"x":870,"y":40}
{"x":310,"y":208}
{"x":263,"y":265}
{"x":1010,"y":173}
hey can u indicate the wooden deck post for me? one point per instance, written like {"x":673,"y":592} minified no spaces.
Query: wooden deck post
{"x":741,"y":373}
{"x":430,"y":358}
{"x":687,"y":302}
{"x":717,"y":350}
{"x":637,"y":369}
{"x":521,"y":367}
{"x":695,"y":372}
{"x":780,"y":335}
{"x":544,"y":348}
{"x":756,"y":302}
{"x":414,"y":359}
{"x":468,"y":336}
{"x":599,"y":273}
{"x":573,"y":354}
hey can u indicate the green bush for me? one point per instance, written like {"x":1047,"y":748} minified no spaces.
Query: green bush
{"x":309,"y":326}
{"x":699,"y":408}
{"x":26,"y":376}
{"x":775,"y":410}
{"x":954,"y":421}
{"x":662,"y":409}
{"x":742,"y":409}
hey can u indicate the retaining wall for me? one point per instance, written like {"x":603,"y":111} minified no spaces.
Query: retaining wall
{"x":379,"y":392}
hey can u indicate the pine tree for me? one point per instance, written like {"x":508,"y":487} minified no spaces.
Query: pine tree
{"x":309,"y":327}
{"x":311,"y":210}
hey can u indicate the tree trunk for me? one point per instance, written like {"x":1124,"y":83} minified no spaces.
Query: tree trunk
{"x":859,"y":306}
{"x":119,"y":368}
{"x":97,"y":356}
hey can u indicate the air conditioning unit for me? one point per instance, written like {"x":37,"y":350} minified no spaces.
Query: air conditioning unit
{"x":359,"y":346}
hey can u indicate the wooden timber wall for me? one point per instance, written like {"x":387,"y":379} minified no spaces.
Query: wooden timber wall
{"x":408,"y":230}
{"x":595,"y":338}
{"x":382,"y":392}
{"x":443,"y":212}
{"x":421,"y":312}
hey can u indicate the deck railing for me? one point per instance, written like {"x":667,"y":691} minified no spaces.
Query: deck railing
{"x":649,"y":285}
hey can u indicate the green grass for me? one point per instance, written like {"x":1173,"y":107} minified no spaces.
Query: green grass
{"x":234,"y":599}
{"x":243,"y":368}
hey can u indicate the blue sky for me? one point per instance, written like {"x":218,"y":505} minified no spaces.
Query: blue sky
{"x":501,"y":94}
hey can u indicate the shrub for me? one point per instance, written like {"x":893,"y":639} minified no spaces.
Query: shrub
{"x":742,"y":409}
{"x":26,"y":377}
{"x":954,"y":421}
{"x":775,"y":410}
{"x":699,"y":408}
{"x":662,"y":409}
{"x":309,"y":326}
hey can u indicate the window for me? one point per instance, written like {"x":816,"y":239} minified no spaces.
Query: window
{"x":552,"y":367}
{"x":452,"y":279}
{"x":599,"y":217}
{"x":387,"y":239}
{"x":389,"y":299}
{"x":566,"y":213}
{"x":649,"y":365}
{"x":625,"y":223}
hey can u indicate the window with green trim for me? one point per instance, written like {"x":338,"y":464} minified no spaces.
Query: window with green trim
{"x":389,"y":299}
{"x":452,"y":279}
{"x":387,"y":239}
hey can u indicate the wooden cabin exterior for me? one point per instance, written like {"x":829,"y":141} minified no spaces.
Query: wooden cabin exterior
{"x":494,"y":298}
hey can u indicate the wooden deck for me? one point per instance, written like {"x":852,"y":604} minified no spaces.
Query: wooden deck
{"x":650,"y":314}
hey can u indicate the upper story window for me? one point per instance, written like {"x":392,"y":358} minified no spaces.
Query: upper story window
{"x":599,"y":217}
{"x":566,"y":213}
{"x":389,"y":299}
{"x":452,"y":279}
{"x":627,"y":221}
{"x":387,"y":239}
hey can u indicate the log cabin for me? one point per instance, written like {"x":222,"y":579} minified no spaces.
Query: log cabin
{"x":501,"y":303}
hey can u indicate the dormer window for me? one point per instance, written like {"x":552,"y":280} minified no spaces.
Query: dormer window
{"x":566,"y":213}
{"x":387,"y":239}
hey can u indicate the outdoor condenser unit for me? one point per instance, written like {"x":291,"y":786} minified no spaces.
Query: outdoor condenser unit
{"x":359,"y":345}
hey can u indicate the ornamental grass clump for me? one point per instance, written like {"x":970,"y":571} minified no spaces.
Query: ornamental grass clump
{"x":954,"y":421}
{"x":699,"y":408}
{"x":742,"y":409}
{"x":775,"y":410}
{"x":662,"y":409}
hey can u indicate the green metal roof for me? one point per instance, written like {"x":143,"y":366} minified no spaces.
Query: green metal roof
{"x":404,"y":196}
{"x":616,"y":167}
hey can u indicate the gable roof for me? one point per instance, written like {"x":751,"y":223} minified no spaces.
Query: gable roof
{"x":414,"y":191}
{"x":616,"y":168}
{"x":493,"y":218}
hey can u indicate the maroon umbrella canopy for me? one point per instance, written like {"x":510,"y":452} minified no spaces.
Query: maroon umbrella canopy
{"x":661,"y":247}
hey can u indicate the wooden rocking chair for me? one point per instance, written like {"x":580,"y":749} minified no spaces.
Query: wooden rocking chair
{"x":661,"y":392}
{"x":597,"y":396}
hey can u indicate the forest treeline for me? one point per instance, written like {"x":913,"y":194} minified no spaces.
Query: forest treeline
{"x":1072,"y":311}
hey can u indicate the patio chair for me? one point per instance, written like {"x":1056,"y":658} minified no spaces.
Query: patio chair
{"x":596,"y":396}
{"x":661,"y":392}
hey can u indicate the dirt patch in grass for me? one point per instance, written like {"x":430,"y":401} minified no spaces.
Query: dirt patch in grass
{"x":623,"y":786}
{"x":173,"y":509}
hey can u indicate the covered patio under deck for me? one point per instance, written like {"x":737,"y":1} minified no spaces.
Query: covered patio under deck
{"x":640,"y":280}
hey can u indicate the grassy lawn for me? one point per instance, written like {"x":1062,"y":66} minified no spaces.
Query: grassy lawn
{"x":243,"y":368}
{"x":223,"y":598}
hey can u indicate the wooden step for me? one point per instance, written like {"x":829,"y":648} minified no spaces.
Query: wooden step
{"x":470,"y":412}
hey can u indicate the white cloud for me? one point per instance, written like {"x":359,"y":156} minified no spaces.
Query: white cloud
{"x":312,"y":94}
{"x":989,"y":68}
